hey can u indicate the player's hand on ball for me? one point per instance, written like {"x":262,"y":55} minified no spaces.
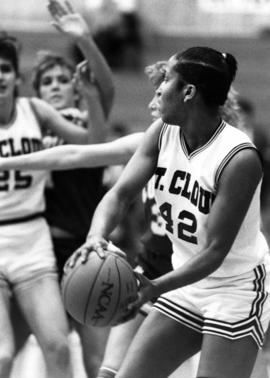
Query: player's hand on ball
{"x":92,"y":244}
{"x":147,"y":292}
{"x":98,"y":292}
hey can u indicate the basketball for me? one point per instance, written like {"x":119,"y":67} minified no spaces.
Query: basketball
{"x":97,"y":292}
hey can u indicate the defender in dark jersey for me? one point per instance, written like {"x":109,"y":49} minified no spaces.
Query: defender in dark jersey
{"x":72,"y":195}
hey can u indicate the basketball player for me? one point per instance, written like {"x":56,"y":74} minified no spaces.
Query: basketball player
{"x":27,"y":263}
{"x":28,"y":270}
{"x":155,"y":259}
{"x":72,"y":195}
{"x":208,"y":178}
{"x":67,"y":198}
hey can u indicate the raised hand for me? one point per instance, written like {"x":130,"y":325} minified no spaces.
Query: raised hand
{"x":66,"y":20}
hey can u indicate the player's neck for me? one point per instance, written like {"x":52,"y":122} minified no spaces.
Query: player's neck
{"x":199,"y":131}
{"x":7,"y":109}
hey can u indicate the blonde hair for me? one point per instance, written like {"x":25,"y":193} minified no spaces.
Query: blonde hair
{"x":230,"y":111}
{"x":155,"y":72}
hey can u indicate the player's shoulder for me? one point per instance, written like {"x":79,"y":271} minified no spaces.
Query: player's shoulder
{"x":28,"y":104}
{"x":155,"y":127}
{"x":153,"y":131}
{"x":231,"y":131}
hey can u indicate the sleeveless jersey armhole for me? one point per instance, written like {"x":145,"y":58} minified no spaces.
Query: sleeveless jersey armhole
{"x":162,"y":131}
{"x":229,"y":156}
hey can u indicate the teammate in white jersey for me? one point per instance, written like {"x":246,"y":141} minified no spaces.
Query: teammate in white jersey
{"x":27,"y":262}
{"x":208,"y":178}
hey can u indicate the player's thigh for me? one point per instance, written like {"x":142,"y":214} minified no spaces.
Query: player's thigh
{"x":225,"y":358}
{"x":188,"y":369}
{"x":6,"y":331}
{"x":119,"y":341}
{"x":159,"y":347}
{"x":42,"y":306}
{"x":20,"y":327}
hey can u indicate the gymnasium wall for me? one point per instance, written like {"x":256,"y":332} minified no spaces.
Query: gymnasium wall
{"x":180,"y":17}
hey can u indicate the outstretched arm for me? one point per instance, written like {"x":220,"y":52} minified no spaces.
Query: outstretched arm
{"x":51,"y":119}
{"x":115,"y":203}
{"x":74,"y":26}
{"x":76,"y":156}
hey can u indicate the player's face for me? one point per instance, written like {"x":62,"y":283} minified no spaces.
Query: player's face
{"x":154,"y":109}
{"x":170,"y":96}
{"x":8,"y":79}
{"x":57,"y":87}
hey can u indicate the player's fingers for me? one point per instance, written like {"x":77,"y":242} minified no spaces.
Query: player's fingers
{"x":57,"y":9}
{"x":51,"y":9}
{"x":80,"y":65}
{"x":142,"y":280}
{"x":71,"y":262}
{"x":84,"y":253}
{"x":69,"y":6}
{"x":137,"y":304}
{"x":81,"y":69}
{"x":56,"y":25}
{"x":84,"y":72}
{"x":100,"y":251}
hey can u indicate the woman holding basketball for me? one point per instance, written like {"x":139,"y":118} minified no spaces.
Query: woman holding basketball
{"x":155,"y":260}
{"x":208,"y":178}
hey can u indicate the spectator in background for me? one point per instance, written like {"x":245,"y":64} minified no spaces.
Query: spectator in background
{"x":132,"y":49}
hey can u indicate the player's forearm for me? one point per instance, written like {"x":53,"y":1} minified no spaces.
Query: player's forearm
{"x":195,"y":269}
{"x":68,"y":157}
{"x":108,"y":215}
{"x":97,"y":125}
{"x":101,"y":70}
{"x":50,"y":159}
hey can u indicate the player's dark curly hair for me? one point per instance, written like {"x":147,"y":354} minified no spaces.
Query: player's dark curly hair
{"x":211,"y":71}
{"x":46,"y":60}
{"x":10,"y":49}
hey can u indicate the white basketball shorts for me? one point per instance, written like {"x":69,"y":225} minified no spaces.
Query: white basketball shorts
{"x":26,"y":253}
{"x":231,"y":307}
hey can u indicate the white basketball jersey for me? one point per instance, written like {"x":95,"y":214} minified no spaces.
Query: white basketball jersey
{"x":185,"y":189}
{"x":21,"y":192}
